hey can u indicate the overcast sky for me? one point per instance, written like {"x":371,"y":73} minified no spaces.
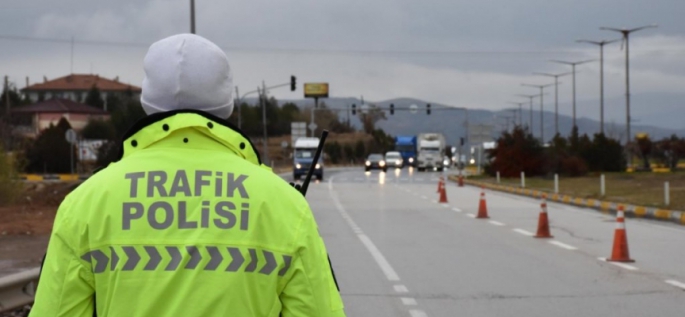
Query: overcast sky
{"x":464,"y":53}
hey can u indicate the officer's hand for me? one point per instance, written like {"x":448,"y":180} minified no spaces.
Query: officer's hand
{"x":298,"y":187}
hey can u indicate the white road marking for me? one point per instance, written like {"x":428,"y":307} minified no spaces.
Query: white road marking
{"x":417,"y":313}
{"x":446,"y":205}
{"x":471,"y":215}
{"x":563,"y":245}
{"x":435,"y":201}
{"x":420,"y":179}
{"x":496,"y":223}
{"x":676,"y":283}
{"x":524,"y":232}
{"x":401,"y":289}
{"x":424,"y":197}
{"x":385,"y":266}
{"x":621,"y":265}
{"x":456,"y":209}
{"x":408,"y":301}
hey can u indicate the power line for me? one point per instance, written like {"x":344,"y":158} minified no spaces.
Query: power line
{"x":312,"y":50}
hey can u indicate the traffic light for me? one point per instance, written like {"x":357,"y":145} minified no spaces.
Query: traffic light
{"x":428,"y":109}
{"x":354,"y":109}
{"x":293,"y":83}
{"x":392,"y":108}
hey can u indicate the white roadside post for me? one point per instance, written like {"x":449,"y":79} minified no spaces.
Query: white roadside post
{"x":602,"y":185}
{"x":523,"y":179}
{"x":667,"y":194}
{"x":497,"y":177}
{"x":556,"y":183}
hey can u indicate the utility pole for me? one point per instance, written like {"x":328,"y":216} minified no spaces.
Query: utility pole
{"x":192,"y":16}
{"x":237,"y":101}
{"x":601,"y":78}
{"x":530,"y":126}
{"x":556,"y":97}
{"x":542,"y":125}
{"x":262,"y":96}
{"x":573,"y":72}
{"x":520,"y":104}
{"x":626,"y":35}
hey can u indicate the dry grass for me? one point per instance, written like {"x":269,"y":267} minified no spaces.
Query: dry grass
{"x":645,"y":189}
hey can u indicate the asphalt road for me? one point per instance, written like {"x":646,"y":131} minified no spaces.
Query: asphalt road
{"x":397,"y":252}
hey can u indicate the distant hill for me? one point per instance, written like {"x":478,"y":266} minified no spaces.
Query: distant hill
{"x":451,"y":121}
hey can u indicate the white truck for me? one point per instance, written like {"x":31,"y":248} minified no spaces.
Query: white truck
{"x":431,"y":151}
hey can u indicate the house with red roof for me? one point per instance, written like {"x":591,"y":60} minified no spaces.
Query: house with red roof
{"x":75,"y":87}
{"x":30,"y":120}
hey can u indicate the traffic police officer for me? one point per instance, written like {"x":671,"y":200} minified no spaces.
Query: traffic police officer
{"x":188,"y":222}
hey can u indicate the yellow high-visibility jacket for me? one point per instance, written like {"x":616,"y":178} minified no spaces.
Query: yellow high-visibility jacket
{"x":187,"y":223}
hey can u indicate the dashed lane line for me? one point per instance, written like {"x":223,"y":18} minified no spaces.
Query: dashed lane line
{"x":408,"y":301}
{"x":456,"y":209}
{"x":563,"y":245}
{"x":524,"y":232}
{"x":399,"y":288}
{"x":471,"y":215}
{"x":496,"y":223}
{"x":417,"y":313}
{"x":445,"y":205}
{"x":382,"y":262}
{"x":676,"y":283}
{"x":621,"y":265}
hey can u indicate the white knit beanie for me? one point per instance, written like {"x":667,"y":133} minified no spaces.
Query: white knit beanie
{"x":187,"y":71}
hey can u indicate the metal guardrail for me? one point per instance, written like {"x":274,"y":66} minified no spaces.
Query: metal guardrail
{"x":18,"y":289}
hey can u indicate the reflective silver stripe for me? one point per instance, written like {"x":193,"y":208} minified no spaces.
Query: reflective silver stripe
{"x":253,"y":261}
{"x":237,"y":261}
{"x":155,"y":258}
{"x":215,"y":260}
{"x":195,"y":257}
{"x":175,"y":258}
{"x":286,"y":260}
{"x":107,"y":259}
{"x":270,"y":265}
{"x":133,"y":258}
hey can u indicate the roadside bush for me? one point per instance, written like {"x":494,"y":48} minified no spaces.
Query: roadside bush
{"x":10,"y":186}
{"x":573,"y":166}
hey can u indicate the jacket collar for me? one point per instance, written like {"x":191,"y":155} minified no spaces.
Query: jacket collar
{"x":155,"y":127}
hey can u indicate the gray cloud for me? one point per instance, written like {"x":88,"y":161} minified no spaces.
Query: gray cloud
{"x":475,"y":53}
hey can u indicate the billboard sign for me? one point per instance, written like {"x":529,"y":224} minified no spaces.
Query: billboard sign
{"x":316,"y":90}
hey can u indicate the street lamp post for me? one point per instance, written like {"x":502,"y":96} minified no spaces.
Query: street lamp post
{"x":626,"y":35}
{"x":192,"y":16}
{"x":573,"y":72}
{"x":601,"y":78}
{"x":530,"y":126}
{"x":520,"y":104}
{"x":542,"y":88}
{"x":556,"y":97}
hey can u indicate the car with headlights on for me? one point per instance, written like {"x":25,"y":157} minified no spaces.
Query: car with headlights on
{"x":375,"y":161}
{"x":394,"y":159}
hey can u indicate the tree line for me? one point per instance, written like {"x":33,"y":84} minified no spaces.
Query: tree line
{"x":576,"y":155}
{"x":49,"y":152}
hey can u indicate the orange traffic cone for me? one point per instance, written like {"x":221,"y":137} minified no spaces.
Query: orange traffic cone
{"x":543,"y":222}
{"x":443,"y":194}
{"x":440,"y":184}
{"x":482,"y":206}
{"x":461,"y":181}
{"x":620,"y":251}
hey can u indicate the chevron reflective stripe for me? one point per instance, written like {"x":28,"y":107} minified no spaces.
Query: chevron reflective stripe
{"x":168,"y":258}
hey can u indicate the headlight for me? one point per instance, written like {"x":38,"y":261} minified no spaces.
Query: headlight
{"x":298,"y":166}
{"x":411,"y":160}
{"x":368,"y":163}
{"x":381,"y":163}
{"x":473,"y":161}
{"x":398,"y":162}
{"x":318,"y":166}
